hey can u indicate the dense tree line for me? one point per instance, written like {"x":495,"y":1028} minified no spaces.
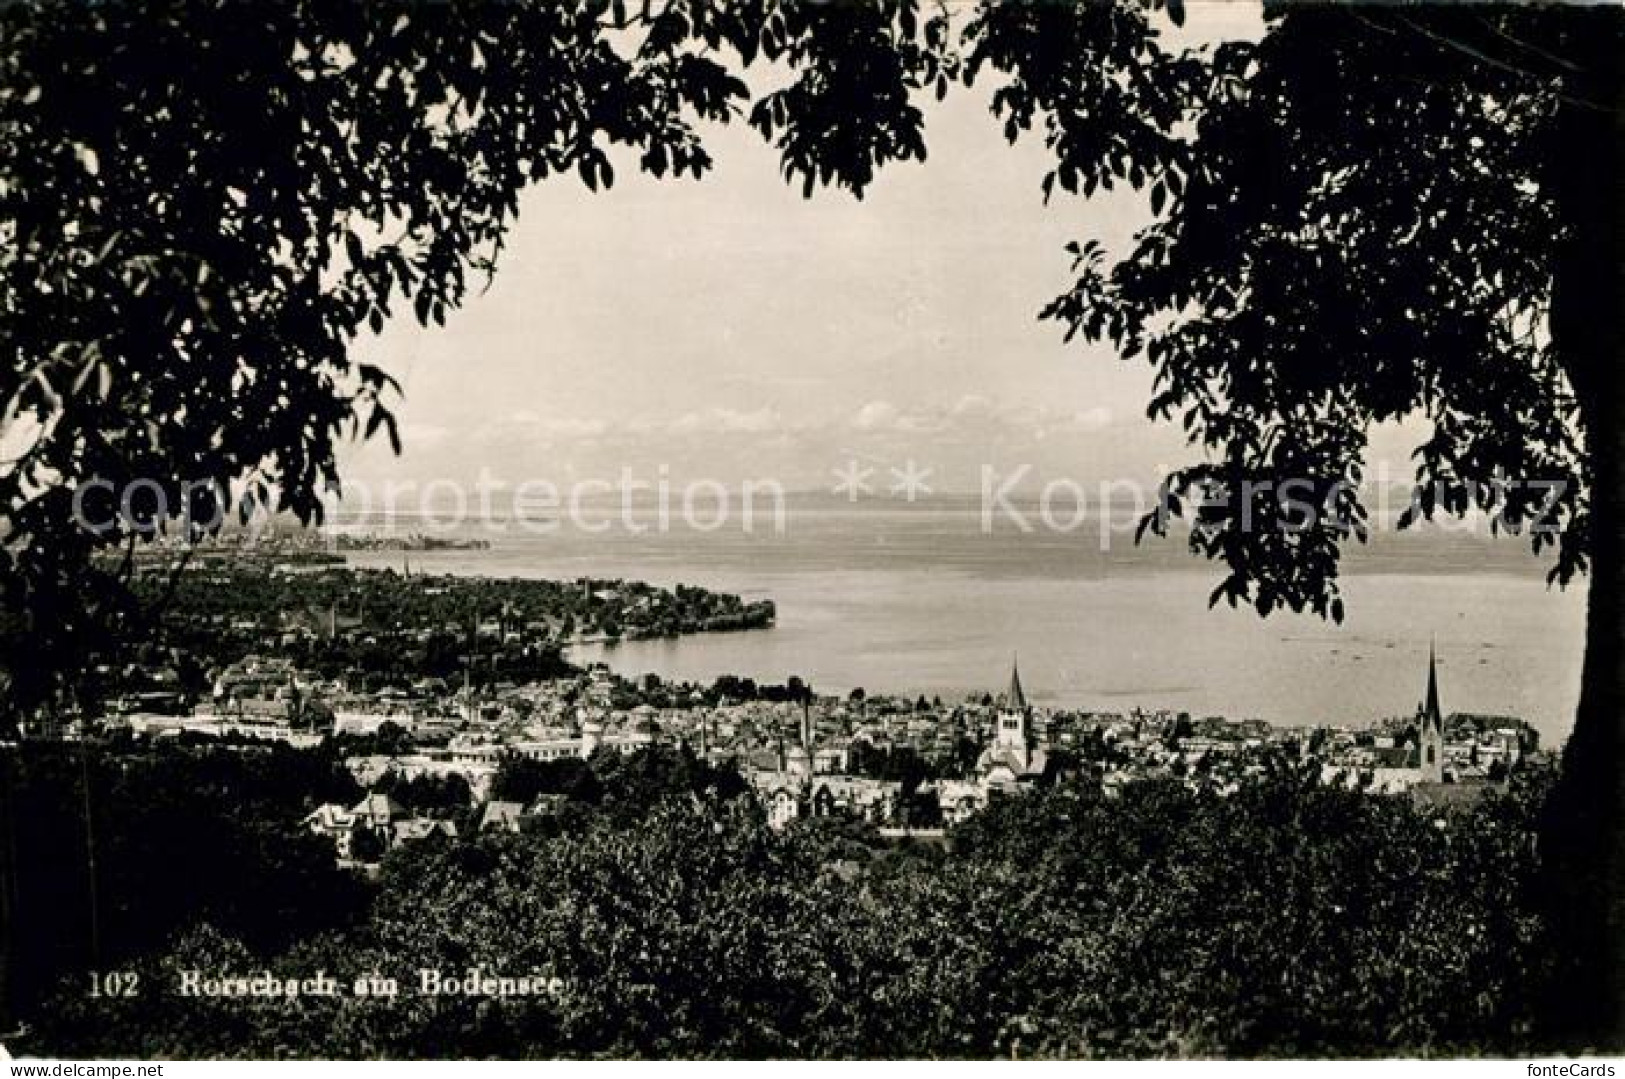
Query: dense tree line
{"x":387,"y":628}
{"x":120,"y":847}
{"x":1287,"y":919}
{"x":382,"y":600}
{"x":621,"y":786}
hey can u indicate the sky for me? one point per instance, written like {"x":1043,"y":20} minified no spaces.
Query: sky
{"x":731,"y":329}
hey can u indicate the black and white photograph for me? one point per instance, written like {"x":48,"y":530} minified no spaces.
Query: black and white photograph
{"x":815,"y":530}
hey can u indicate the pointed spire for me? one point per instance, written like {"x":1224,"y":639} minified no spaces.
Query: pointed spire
{"x":1430,"y":710}
{"x":1014,"y":698}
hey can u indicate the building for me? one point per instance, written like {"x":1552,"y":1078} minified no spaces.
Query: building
{"x":960,"y":799}
{"x":856,"y":796}
{"x":796,"y":786}
{"x":502,"y":816}
{"x":1419,"y":761}
{"x":1013,"y":757}
{"x":786,"y":788}
{"x":335,"y":822}
{"x":414,"y":829}
{"x":1467,"y":782}
{"x":784,"y":799}
{"x":378,"y":812}
{"x":1430,"y":728}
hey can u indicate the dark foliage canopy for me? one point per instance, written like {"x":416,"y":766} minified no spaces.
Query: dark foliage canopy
{"x":204,"y":203}
{"x":1287,"y":920}
{"x":1357,"y":224}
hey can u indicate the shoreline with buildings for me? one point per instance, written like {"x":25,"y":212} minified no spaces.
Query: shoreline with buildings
{"x":921,"y":600}
{"x":367,"y":731}
{"x":446,"y":678}
{"x":913,"y":767}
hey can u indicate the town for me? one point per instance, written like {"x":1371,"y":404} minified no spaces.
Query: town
{"x":463,"y":682}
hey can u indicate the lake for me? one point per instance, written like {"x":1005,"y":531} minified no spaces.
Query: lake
{"x":926,"y":601}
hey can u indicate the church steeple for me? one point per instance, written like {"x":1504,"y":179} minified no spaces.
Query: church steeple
{"x":1430,"y":709}
{"x":1430,"y":736}
{"x":1014,"y":699}
{"x":1010,"y":735}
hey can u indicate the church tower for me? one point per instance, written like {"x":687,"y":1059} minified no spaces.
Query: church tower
{"x":807,"y":724}
{"x":1010,"y":737}
{"x":1430,"y":724}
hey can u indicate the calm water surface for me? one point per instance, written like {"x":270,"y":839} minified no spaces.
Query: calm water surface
{"x":925,"y":601}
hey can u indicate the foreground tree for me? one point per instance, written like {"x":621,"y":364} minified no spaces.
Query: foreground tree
{"x":1289,"y":920}
{"x":1368,"y":214}
{"x":203,"y":203}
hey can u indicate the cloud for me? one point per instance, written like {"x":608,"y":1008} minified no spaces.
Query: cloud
{"x":1093,"y":419}
{"x":527,"y":426}
{"x":976,"y":416}
{"x":727,"y":421}
{"x":424,"y":435}
{"x":876,"y":415}
{"x":885,"y":417}
{"x":973,"y":404}
{"x":955,"y":436}
{"x":973,"y":418}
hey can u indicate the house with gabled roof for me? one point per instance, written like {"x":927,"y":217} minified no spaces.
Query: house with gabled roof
{"x":377,"y":811}
{"x":502,"y":816}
